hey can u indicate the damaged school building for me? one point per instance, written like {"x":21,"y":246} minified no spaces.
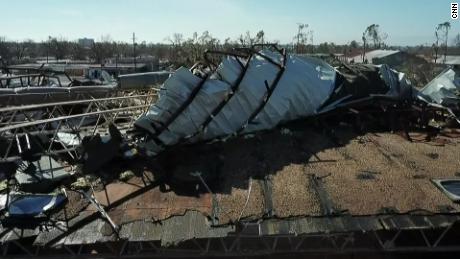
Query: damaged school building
{"x":261,"y":153}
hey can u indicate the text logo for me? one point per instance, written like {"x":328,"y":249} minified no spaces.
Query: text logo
{"x":454,"y":11}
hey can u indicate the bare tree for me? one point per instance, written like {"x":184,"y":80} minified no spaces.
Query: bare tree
{"x":260,"y":37}
{"x":77,"y":51}
{"x":442,"y":32}
{"x":176,"y":45}
{"x":354,"y":44}
{"x":4,"y":50}
{"x":247,"y":40}
{"x":102,"y":50}
{"x":435,"y":45}
{"x":59,"y":48}
{"x":19,"y":50}
{"x":302,"y":37}
{"x":31,"y":48}
{"x":456,"y":40}
{"x":372,"y":33}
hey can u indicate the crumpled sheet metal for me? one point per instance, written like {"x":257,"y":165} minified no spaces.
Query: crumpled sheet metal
{"x":444,"y":89}
{"x":45,"y":94}
{"x":397,"y":88}
{"x":142,"y":80}
{"x":302,"y":88}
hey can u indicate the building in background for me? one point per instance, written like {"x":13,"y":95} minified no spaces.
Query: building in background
{"x":86,"y":42}
{"x":381,"y":56}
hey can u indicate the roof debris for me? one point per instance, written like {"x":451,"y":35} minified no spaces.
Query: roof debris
{"x":264,"y":143}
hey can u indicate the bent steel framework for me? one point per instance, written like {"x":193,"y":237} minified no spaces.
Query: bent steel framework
{"x":132,"y":222}
{"x":79,"y":117}
{"x":339,"y":235}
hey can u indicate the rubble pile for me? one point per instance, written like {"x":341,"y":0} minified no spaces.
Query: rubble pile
{"x":250,"y":91}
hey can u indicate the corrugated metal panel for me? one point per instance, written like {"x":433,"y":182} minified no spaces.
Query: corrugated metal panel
{"x":142,"y":80}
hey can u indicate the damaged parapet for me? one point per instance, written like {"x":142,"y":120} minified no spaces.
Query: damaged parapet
{"x":253,"y":92}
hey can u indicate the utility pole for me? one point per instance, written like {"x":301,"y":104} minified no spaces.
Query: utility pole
{"x":48,"y":49}
{"x":134,"y":51}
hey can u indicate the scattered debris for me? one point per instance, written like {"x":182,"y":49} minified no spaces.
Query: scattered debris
{"x":367,"y":175}
{"x":28,"y":210}
{"x":69,"y":139}
{"x":82,"y":183}
{"x":126,"y":175}
{"x":270,"y":88}
{"x":206,"y":143}
{"x":99,"y":151}
{"x":3,"y":185}
{"x":41,"y":176}
{"x":286,"y":131}
{"x":433,"y":155}
{"x":444,"y":89}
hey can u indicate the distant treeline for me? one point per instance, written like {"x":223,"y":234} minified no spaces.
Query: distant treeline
{"x":178,"y":50}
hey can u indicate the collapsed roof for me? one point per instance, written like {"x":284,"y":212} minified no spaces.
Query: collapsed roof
{"x":323,"y":175}
{"x":257,"y":92}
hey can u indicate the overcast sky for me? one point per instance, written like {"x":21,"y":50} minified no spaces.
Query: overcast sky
{"x":407,"y":22}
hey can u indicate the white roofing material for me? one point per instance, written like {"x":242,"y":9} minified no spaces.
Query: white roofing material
{"x":378,"y":53}
{"x":450,"y":60}
{"x":443,"y":87}
{"x":305,"y":84}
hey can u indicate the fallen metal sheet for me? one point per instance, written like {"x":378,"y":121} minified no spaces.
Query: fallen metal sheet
{"x":46,"y":94}
{"x":41,"y":176}
{"x":3,"y":200}
{"x":142,"y":80}
{"x":444,"y":89}
{"x":247,"y":95}
{"x":68,"y":139}
{"x":309,"y":84}
{"x":359,"y":84}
